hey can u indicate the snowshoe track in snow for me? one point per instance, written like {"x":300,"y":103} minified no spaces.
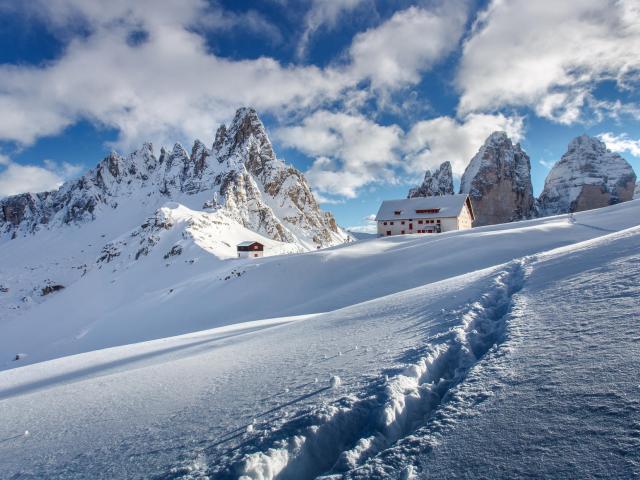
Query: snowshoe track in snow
{"x":342,"y":437}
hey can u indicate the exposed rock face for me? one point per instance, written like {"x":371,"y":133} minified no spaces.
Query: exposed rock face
{"x":636,"y":194}
{"x":240,"y":174}
{"x":440,"y":182}
{"x":498,"y":181}
{"x":587,"y":176}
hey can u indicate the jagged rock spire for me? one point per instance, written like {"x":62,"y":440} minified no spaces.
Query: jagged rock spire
{"x":587,"y":176}
{"x":438,"y":182}
{"x":498,"y":180}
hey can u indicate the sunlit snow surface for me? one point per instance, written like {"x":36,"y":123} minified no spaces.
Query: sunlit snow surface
{"x":499,"y":352}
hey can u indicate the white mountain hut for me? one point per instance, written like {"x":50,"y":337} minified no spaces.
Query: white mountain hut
{"x":436,"y":214}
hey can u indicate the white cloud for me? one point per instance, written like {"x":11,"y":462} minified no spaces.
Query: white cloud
{"x":368,"y":225}
{"x":218,"y":19}
{"x":16,"y":178}
{"x":168,"y":86}
{"x":621,"y":143}
{"x":323,"y":14}
{"x":549,"y":55}
{"x":394,"y":54}
{"x":351,"y":151}
{"x":547,"y":164}
{"x":431,"y":142}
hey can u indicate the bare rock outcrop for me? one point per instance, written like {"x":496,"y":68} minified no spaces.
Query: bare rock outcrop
{"x":498,"y":181}
{"x":587,"y":176}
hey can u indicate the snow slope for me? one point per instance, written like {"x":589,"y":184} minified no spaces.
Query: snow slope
{"x":128,"y":301}
{"x":422,"y":331}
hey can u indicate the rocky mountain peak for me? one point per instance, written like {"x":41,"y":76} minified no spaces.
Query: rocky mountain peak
{"x":498,"y":180}
{"x":498,"y":137}
{"x":221,"y":138}
{"x":586,"y":143}
{"x":587,"y":176}
{"x":438,"y":182}
{"x":240,"y":175}
{"x":178,"y":151}
{"x":250,"y":167}
{"x":199,"y":155}
{"x":246,"y":129}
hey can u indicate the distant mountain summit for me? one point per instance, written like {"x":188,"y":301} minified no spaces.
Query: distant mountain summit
{"x":438,"y":182}
{"x":498,"y":180}
{"x":239,"y":176}
{"x":587,"y":176}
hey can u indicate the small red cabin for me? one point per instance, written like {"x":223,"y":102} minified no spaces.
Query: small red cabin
{"x":250,"y":249}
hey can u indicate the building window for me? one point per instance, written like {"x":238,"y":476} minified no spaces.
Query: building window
{"x":402,"y":222}
{"x":385,"y":223}
{"x":437,"y":221}
{"x":390,"y":223}
{"x":397,"y":212}
{"x":388,"y":232}
{"x":428,"y":210}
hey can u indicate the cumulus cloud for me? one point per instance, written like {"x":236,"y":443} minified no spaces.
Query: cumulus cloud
{"x":368,"y":225}
{"x":323,"y":14}
{"x":350,"y":150}
{"x":549,"y":56}
{"x":17,"y":178}
{"x":167,"y":87}
{"x":394,"y":54}
{"x":145,"y":70}
{"x":621,"y":143}
{"x":431,"y":142}
{"x":218,"y":19}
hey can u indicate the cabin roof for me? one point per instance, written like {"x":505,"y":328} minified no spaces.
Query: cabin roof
{"x":248,"y":243}
{"x":447,"y":206}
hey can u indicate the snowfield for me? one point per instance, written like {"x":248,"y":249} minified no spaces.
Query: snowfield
{"x":498,"y":352}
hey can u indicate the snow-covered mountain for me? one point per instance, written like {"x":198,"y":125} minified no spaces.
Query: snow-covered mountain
{"x":438,"y":182}
{"x":156,"y":217}
{"x":587,"y":176}
{"x":498,"y":180}
{"x":240,"y":176}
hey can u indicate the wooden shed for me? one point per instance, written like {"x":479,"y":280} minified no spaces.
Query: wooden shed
{"x":250,"y":249}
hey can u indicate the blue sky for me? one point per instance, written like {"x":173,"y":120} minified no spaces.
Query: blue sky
{"x":361,"y":95}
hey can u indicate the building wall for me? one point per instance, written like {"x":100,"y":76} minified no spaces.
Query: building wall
{"x":446,"y":224}
{"x":254,"y":254}
{"x":449,"y":224}
{"x":464,"y":220}
{"x":395,"y":229}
